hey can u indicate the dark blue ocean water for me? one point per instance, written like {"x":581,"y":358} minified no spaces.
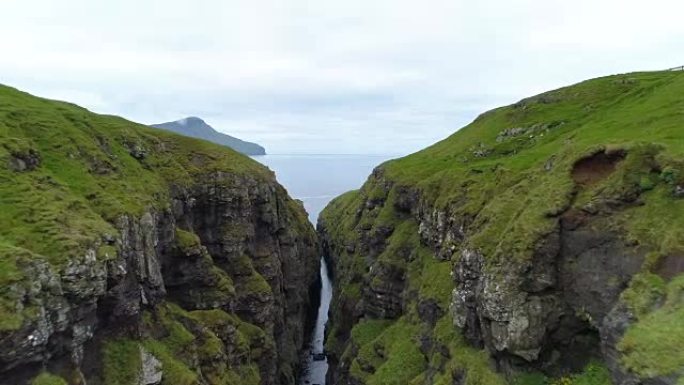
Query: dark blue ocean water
{"x":316,"y":179}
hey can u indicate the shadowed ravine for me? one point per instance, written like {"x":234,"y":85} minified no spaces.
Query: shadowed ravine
{"x":316,"y":365}
{"x":315,"y":180}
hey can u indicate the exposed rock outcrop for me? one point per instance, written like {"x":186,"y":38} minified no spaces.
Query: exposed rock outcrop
{"x":516,"y":254}
{"x":554,"y":312}
{"x":184,"y":263}
{"x":249,"y":259}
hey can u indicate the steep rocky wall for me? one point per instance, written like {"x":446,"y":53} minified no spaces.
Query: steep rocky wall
{"x":539,"y":244}
{"x":547,"y":313}
{"x":247,"y":252}
{"x":562,"y":309}
{"x":130,"y":255}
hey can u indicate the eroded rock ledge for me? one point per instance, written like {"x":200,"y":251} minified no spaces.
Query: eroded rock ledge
{"x":232,"y":245}
{"x":131,"y":255}
{"x":557,"y":308}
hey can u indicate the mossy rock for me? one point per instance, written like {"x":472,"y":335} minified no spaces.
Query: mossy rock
{"x":186,"y":241}
{"x":49,"y":379}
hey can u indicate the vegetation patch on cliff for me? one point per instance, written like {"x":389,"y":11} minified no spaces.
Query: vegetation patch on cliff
{"x":122,"y":363}
{"x":213,"y":344}
{"x":652,"y":346}
{"x":48,"y":379}
{"x":393,"y":357}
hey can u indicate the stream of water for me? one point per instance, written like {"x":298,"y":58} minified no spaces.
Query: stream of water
{"x":316,"y":365}
{"x":315,"y":180}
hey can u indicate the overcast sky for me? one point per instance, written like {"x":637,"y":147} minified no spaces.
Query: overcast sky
{"x":317,"y":76}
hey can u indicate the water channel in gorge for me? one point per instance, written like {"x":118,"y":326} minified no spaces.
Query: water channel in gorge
{"x":316,"y":180}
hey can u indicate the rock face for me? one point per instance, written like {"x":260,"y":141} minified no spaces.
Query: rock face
{"x":198,"y":273}
{"x":539,"y":259}
{"x":197,"y":128}
{"x":151,"y":369}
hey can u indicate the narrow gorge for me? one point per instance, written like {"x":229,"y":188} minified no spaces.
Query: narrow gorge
{"x":542,"y":244}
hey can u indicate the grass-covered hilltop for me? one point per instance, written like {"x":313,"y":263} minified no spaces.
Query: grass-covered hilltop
{"x":541,"y":244}
{"x":134,"y":256}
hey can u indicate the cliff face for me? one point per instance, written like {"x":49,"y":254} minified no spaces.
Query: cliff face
{"x":134,"y":256}
{"x":542,"y":243}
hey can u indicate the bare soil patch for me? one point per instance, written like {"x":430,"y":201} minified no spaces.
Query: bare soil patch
{"x":597,"y":167}
{"x":670,"y":266}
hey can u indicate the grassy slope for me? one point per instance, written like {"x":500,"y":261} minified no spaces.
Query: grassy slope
{"x":617,"y":111}
{"x":509,"y":196}
{"x":87,"y":177}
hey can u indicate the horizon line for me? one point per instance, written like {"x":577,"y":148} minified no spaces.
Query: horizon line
{"x":365,"y":154}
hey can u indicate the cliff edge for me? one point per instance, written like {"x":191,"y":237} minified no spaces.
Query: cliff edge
{"x":540,"y":244}
{"x":131,"y":255}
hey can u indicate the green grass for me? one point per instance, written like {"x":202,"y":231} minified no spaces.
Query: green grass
{"x":176,"y":372}
{"x":653,"y":345}
{"x":431,"y":277}
{"x":49,"y":379}
{"x":609,"y":112}
{"x":186,"y":240}
{"x":249,"y":281}
{"x":13,"y":311}
{"x":87,"y":177}
{"x":595,"y":373}
{"x":368,"y":330}
{"x":436,"y":281}
{"x":247,"y":375}
{"x":401,"y":360}
{"x":644,"y":293}
{"x":190,"y":343}
{"x":176,"y":346}
{"x":121,"y":362}
{"x":251,"y":339}
{"x":255,"y":283}
{"x":530,"y":378}
{"x":473,"y":363}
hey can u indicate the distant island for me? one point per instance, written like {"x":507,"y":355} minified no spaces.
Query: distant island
{"x":198,"y":128}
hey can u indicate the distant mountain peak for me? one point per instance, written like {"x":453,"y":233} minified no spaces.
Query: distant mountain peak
{"x":191,"y":120}
{"x":197,"y":128}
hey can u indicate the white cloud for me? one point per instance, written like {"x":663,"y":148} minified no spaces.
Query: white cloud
{"x":326,"y":76}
